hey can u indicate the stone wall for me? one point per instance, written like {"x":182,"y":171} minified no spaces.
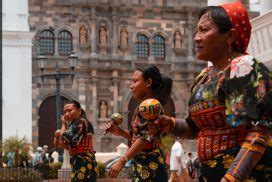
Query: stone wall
{"x":105,"y":68}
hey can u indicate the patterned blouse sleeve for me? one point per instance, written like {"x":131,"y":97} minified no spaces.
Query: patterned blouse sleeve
{"x":248,"y":93}
{"x":74,"y":133}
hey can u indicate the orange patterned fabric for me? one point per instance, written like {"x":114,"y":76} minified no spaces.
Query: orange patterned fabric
{"x":212,"y":141}
{"x":239,"y":19}
{"x":86,"y":145}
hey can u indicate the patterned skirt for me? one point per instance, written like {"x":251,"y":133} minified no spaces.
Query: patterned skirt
{"x":149,"y":165}
{"x":213,"y":170}
{"x":84,"y":167}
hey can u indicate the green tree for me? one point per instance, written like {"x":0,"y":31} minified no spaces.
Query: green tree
{"x":20,"y":147}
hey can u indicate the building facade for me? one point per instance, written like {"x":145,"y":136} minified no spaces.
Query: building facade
{"x":16,"y":70}
{"x":111,"y":39}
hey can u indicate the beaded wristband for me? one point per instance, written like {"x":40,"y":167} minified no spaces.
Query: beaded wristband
{"x":229,"y":177}
{"x":125,"y":157}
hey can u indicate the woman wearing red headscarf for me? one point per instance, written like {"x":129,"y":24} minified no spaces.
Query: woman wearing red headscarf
{"x":230,"y":109}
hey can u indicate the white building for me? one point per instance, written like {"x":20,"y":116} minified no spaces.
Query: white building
{"x":16,"y":70}
{"x":260,"y":44}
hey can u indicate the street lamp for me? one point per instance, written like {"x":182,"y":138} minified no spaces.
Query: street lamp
{"x":72,"y":58}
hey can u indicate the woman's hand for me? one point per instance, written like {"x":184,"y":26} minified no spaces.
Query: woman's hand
{"x":117,"y":167}
{"x":113,"y":129}
{"x":56,"y":141}
{"x":162,"y":124}
{"x":63,"y":119}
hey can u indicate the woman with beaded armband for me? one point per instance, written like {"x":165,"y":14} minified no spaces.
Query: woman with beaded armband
{"x":230,"y":109}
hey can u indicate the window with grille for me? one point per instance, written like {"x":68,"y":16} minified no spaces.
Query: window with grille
{"x":142,"y":49}
{"x":47,"y":42}
{"x":65,"y":45}
{"x":158,"y":47}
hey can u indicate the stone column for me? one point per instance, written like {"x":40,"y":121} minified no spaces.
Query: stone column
{"x":65,"y":170}
{"x":115,"y":32}
{"x":82,"y":93}
{"x":94,"y":96}
{"x":93,"y":32}
{"x":115,"y":91}
{"x":190,"y":34}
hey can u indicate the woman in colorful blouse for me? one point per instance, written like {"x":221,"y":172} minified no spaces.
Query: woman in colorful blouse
{"x":77,"y":138}
{"x":148,"y":159}
{"x":230,"y":109}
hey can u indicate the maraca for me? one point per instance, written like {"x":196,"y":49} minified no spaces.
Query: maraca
{"x":150,"y":109}
{"x":116,"y":118}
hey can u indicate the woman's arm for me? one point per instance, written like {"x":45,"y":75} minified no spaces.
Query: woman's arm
{"x":184,"y":128}
{"x":247,"y":92}
{"x":125,"y":134}
{"x":250,"y":153}
{"x":178,"y":127}
{"x":116,"y":130}
{"x":136,"y":147}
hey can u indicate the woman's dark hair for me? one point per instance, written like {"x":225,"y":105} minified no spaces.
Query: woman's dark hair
{"x":83,"y":113}
{"x":75,"y":103}
{"x":161,"y":85}
{"x":219,"y":16}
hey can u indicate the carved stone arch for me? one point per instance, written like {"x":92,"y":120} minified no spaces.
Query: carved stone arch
{"x":69,"y":29}
{"x":50,"y":93}
{"x":42,"y":28}
{"x":123,"y":22}
{"x":164,"y":35}
{"x":146,"y":33}
{"x":47,"y":122}
{"x":36,"y":38}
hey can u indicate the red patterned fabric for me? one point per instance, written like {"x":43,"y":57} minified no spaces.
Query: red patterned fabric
{"x":136,"y":127}
{"x":240,"y":21}
{"x":86,"y":145}
{"x":215,"y":135}
{"x":212,"y":141}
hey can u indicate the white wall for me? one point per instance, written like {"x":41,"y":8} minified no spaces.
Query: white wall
{"x":265,"y":6}
{"x":16,"y":66}
{"x":219,"y":2}
{"x":260,"y":45}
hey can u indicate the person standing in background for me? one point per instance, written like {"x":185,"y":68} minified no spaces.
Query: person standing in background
{"x":177,"y":162}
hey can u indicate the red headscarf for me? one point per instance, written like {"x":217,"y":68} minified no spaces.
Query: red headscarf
{"x":239,"y":20}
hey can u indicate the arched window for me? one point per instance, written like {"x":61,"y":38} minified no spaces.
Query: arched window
{"x":158,"y":47}
{"x":47,"y":42}
{"x":142,"y":46}
{"x":65,"y":45}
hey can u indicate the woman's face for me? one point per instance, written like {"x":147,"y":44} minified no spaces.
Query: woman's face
{"x":70,"y":112}
{"x":140,"y":87}
{"x":209,"y":43}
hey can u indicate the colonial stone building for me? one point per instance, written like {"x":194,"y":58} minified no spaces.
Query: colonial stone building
{"x":111,"y":39}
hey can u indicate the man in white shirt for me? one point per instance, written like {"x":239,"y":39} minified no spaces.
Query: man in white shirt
{"x":177,"y":162}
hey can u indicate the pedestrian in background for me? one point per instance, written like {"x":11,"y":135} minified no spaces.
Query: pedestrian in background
{"x":177,"y":162}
